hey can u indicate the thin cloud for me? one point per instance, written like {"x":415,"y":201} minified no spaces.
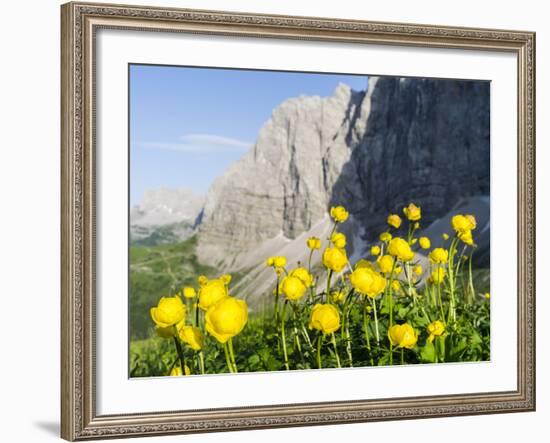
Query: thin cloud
{"x":200,"y":143}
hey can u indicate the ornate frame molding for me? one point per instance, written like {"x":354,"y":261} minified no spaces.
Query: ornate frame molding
{"x":78,"y":413}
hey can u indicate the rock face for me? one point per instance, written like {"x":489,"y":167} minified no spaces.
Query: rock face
{"x":283,"y":185}
{"x":404,"y":140}
{"x":427,"y":142}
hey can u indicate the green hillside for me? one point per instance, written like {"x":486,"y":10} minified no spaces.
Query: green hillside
{"x":157,"y":271}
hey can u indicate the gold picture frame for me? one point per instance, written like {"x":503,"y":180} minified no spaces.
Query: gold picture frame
{"x":80,"y":21}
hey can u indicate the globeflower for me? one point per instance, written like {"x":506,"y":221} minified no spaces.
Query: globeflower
{"x":362,"y":263}
{"x":324,"y":318}
{"x":335,"y":259}
{"x":418,"y":270}
{"x":293,"y":287}
{"x":211,"y":293}
{"x":385,"y":237}
{"x":192,"y":336}
{"x":189,"y":292}
{"x":438,"y":275}
{"x":401,"y":249}
{"x":385,"y":263}
{"x":445,"y":236}
{"x":375,"y":250}
{"x":424,"y":242}
{"x":403,"y":336}
{"x":338,"y":239}
{"x":394,"y":220}
{"x":439,"y":255}
{"x":169,"y":312}
{"x":466,"y":237}
{"x":367,"y":282}
{"x":226,"y":278}
{"x":176,"y":371}
{"x":169,"y":331}
{"x":277,"y":262}
{"x":462,"y":223}
{"x":412,"y":212}
{"x":314,"y":243}
{"x":337,"y":296}
{"x":435,"y":329}
{"x":226,"y":319}
{"x":339,"y":214}
{"x":202,"y":280}
{"x":304,"y":275}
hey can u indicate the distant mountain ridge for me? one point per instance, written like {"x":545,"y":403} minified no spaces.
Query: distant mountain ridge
{"x":165,"y":215}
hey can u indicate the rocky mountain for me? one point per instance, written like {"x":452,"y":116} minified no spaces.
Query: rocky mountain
{"x":165,"y":215}
{"x":404,"y":139}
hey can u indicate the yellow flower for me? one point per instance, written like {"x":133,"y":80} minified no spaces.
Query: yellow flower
{"x":462,"y":223}
{"x":364,"y":264}
{"x":211,"y":293}
{"x":338,"y":239}
{"x":169,"y":311}
{"x":398,"y":270}
{"x":338,"y":296}
{"x":401,"y":249}
{"x":226,"y":278}
{"x":176,"y":371}
{"x":226,"y":318}
{"x":202,"y":280}
{"x":466,"y":237}
{"x":385,"y":263}
{"x":435,"y":329}
{"x":304,"y":275}
{"x":314,"y":243}
{"x":418,"y":270}
{"x":293,"y":287}
{"x":438,"y":275}
{"x":339,"y":214}
{"x":375,"y":250}
{"x":396,"y":286}
{"x":169,"y":331}
{"x":414,"y":241}
{"x":192,"y":336}
{"x":439,"y":255}
{"x":279,"y":262}
{"x":189,"y":292}
{"x":394,"y":220}
{"x":445,"y":236}
{"x":270,"y":262}
{"x":425,"y":243}
{"x":412,"y":212}
{"x":385,"y":237}
{"x":403,"y":336}
{"x":366,"y":281}
{"x":335,"y":259}
{"x":324,"y":318}
{"x":416,"y":225}
{"x":487,"y":295}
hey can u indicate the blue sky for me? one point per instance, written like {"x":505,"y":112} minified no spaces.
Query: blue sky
{"x":187,"y":125}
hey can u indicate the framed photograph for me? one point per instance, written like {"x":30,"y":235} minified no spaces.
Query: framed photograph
{"x":277,"y":221}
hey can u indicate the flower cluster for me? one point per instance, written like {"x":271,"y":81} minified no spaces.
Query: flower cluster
{"x":223,"y":317}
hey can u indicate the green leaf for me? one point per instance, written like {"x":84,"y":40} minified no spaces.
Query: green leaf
{"x":427,"y":352}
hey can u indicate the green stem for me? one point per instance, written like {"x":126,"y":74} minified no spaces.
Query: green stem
{"x":277,"y":301}
{"x":180,"y":354}
{"x":227,"y":357}
{"x":390,"y":292}
{"x":201,"y":361}
{"x":232,"y":355}
{"x":319,"y":344}
{"x":333,"y":340}
{"x":197,"y":315}
{"x":373,"y":302}
{"x":471,"y":279}
{"x":329,"y":275}
{"x":366,"y":331}
{"x":283,"y":337}
{"x":402,"y":356}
